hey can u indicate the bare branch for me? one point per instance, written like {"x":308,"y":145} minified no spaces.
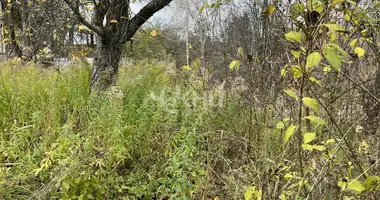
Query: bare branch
{"x":142,"y":16}
{"x":76,"y":11}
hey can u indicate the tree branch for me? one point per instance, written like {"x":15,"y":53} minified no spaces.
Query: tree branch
{"x":76,"y":11}
{"x":142,"y":16}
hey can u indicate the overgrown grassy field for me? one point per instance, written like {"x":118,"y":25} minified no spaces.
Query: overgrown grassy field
{"x":153,"y":136}
{"x":159,"y":135}
{"x":140,"y":140}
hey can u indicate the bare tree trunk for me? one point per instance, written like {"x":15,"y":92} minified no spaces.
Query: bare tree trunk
{"x":187,"y":48}
{"x":14,"y":48}
{"x":106,"y":63}
{"x":25,"y":43}
{"x":111,"y":35}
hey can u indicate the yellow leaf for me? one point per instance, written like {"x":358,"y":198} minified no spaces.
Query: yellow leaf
{"x":359,"y":51}
{"x":294,"y":36}
{"x":335,"y":27}
{"x":280,"y":125}
{"x":249,"y":192}
{"x":240,"y":52}
{"x":316,"y":120}
{"x":283,"y":72}
{"x":363,"y":147}
{"x":81,"y":27}
{"x":153,"y":33}
{"x":311,"y":103}
{"x":308,"y":137}
{"x":289,"y":132}
{"x":353,"y":43}
{"x":336,"y":1}
{"x":113,"y":21}
{"x":295,"y":53}
{"x":312,"y":79}
{"x":234,"y":65}
{"x":186,"y":67}
{"x":319,"y":147}
{"x":356,"y":186}
{"x":291,"y":93}
{"x":313,"y":60}
{"x":307,"y":147}
{"x":332,"y":36}
{"x":268,"y":11}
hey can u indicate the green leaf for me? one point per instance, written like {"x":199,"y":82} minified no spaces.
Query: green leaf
{"x":311,"y":103}
{"x":308,"y":137}
{"x":372,"y":183}
{"x":316,"y":120}
{"x":297,"y":9}
{"x":201,"y":9}
{"x":331,"y":54}
{"x":291,"y":93}
{"x":347,"y":17}
{"x":296,"y":71}
{"x":66,"y":185}
{"x":334,"y":27}
{"x":313,"y":60}
{"x":342,"y":52}
{"x":294,"y":36}
{"x":332,"y":36}
{"x":356,"y":186}
{"x":289,"y":132}
{"x":234,"y":65}
{"x":359,"y":51}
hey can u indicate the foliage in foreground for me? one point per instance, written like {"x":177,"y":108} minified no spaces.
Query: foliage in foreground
{"x":140,"y":140}
{"x":158,"y":136}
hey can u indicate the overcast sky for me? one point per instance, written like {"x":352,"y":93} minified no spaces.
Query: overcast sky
{"x":161,"y":17}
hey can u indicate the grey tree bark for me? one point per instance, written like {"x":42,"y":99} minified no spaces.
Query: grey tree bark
{"x":118,"y":28}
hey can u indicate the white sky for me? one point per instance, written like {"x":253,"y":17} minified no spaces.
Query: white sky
{"x":161,"y":16}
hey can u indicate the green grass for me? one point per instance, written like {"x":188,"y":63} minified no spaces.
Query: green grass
{"x":153,"y":136}
{"x":139,"y":140}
